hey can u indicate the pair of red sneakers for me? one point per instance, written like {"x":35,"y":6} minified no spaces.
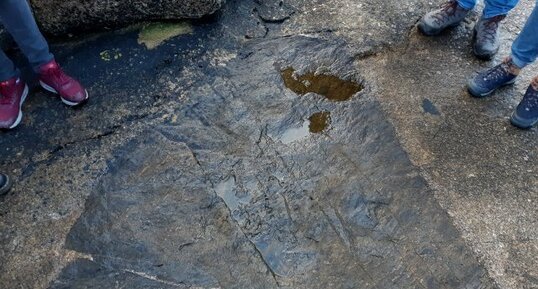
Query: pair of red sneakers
{"x":52,"y":78}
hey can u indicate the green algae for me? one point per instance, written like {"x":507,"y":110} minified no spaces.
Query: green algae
{"x":154,"y":34}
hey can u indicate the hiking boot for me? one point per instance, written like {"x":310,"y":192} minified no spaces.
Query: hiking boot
{"x":52,"y":78}
{"x":5,"y":184}
{"x":526,"y":114}
{"x":450,"y":14}
{"x":486,"y":37}
{"x":486,"y":82}
{"x":13,"y":92}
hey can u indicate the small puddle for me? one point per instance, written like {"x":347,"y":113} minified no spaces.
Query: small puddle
{"x":319,"y":121}
{"x":429,"y":107}
{"x":316,"y":123}
{"x":295,"y":133}
{"x":226,"y":191}
{"x":330,"y":86}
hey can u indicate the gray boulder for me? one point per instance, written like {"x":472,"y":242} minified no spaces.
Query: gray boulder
{"x":58,"y":17}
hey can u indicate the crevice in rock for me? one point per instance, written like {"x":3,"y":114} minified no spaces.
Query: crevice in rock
{"x":112,"y":130}
{"x":154,"y":278}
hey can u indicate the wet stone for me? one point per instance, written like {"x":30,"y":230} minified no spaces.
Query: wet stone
{"x":259,"y":213}
{"x":330,"y":86}
{"x":273,"y":11}
{"x":217,"y":198}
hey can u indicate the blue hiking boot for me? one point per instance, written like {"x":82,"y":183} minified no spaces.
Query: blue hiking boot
{"x":487,"y":81}
{"x":449,"y":15}
{"x":526,"y":114}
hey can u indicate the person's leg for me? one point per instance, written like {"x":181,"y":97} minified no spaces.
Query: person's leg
{"x":498,"y":7}
{"x":467,"y":4}
{"x":20,"y":23}
{"x":7,"y":68}
{"x":525,"y":47}
{"x":17,"y":18}
{"x":486,"y":40}
{"x":525,"y":52}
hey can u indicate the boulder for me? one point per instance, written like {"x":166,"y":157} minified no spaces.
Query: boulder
{"x":58,"y":17}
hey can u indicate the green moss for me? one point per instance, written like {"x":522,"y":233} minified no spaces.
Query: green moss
{"x":109,"y":55}
{"x":154,"y":34}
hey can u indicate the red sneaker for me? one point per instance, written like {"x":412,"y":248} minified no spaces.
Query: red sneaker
{"x":13,"y":92}
{"x":54,"y":79}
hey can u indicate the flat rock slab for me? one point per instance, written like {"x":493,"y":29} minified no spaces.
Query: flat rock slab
{"x":219,"y":199}
{"x":195,"y":165}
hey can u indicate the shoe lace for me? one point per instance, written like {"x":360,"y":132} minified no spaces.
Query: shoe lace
{"x":490,"y":27}
{"x":448,"y":9}
{"x":497,"y":73}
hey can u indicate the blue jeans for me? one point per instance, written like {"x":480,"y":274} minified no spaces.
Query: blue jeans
{"x":18,"y":20}
{"x":525,"y":47}
{"x":493,"y":7}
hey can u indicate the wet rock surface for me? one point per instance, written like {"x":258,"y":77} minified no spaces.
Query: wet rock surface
{"x":217,"y":184}
{"x":58,"y":17}
{"x":194,"y":165}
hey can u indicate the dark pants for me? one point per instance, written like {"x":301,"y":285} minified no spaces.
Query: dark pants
{"x":18,"y":20}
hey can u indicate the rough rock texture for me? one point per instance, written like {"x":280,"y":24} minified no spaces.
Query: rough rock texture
{"x":193,"y":165}
{"x":58,"y":17}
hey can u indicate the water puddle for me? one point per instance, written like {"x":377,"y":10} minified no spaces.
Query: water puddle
{"x":295,"y":133}
{"x":319,"y":121}
{"x":226,"y":191}
{"x":154,"y":34}
{"x":316,"y":123}
{"x":330,"y":86}
{"x":429,"y":107}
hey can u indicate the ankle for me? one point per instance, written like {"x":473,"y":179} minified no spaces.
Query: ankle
{"x":511,"y":67}
{"x":534,"y":83}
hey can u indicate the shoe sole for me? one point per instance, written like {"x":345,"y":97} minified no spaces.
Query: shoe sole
{"x":485,"y":94}
{"x":65,"y":101}
{"x":517,"y":122}
{"x":7,"y":187}
{"x":486,"y":57}
{"x":19,"y":116}
{"x":435,"y":32}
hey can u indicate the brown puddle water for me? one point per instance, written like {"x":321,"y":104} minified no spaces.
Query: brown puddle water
{"x":319,"y":121}
{"x":330,"y":86}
